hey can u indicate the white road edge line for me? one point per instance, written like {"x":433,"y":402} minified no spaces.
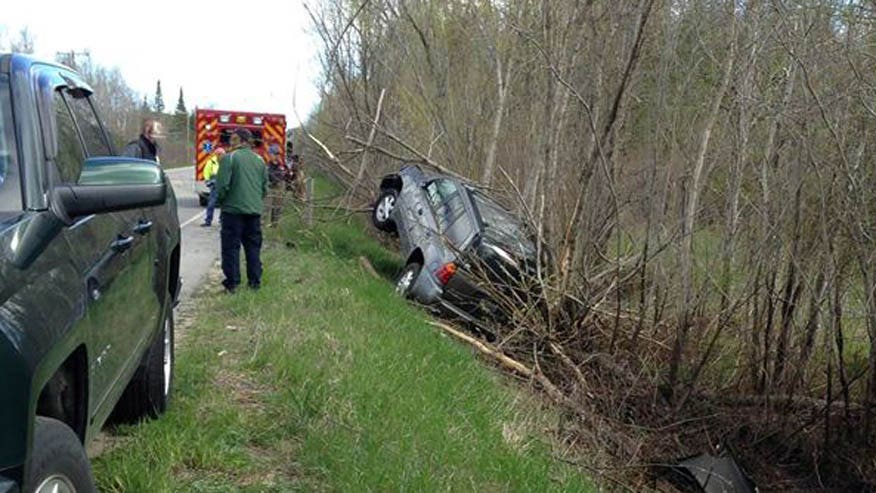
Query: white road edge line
{"x":190,"y":221}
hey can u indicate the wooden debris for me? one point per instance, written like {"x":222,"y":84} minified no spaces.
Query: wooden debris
{"x":505,"y":361}
{"x":366,"y":265}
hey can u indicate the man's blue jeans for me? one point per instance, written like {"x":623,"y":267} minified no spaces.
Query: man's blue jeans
{"x":211,"y":203}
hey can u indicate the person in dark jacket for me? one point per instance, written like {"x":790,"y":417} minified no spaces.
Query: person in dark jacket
{"x":241,"y":187}
{"x":146,"y":146}
{"x":276,"y":179}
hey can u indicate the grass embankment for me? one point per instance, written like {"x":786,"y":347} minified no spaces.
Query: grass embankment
{"x":324,"y":380}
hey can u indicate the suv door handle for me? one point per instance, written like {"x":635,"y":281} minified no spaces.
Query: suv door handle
{"x":122,"y":243}
{"x":143,"y":227}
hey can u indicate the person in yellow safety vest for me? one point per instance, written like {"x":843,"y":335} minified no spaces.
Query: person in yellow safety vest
{"x":211,"y":168}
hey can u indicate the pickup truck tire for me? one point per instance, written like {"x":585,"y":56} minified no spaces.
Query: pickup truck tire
{"x":148,"y":393}
{"x":381,"y":215}
{"x":57,"y":461}
{"x":407,"y":278}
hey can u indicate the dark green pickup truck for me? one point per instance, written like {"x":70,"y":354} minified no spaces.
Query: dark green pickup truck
{"x":89,"y":277}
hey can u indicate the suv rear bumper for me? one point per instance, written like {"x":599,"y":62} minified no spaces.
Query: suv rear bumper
{"x":460,"y":298}
{"x":426,"y":289}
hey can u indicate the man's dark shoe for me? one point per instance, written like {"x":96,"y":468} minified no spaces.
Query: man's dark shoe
{"x":205,"y":225}
{"x":255,"y":287}
{"x":230,"y":290}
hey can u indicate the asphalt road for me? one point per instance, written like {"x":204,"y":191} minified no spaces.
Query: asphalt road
{"x":200,"y":246}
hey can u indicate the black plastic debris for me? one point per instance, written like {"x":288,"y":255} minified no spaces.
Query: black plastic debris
{"x":715,"y":474}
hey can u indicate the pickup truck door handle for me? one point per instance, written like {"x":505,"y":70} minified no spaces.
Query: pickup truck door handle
{"x":122,"y":243}
{"x":143,"y":227}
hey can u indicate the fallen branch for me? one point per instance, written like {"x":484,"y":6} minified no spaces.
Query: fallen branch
{"x":571,"y":364}
{"x":364,"y":161}
{"x":366,"y":265}
{"x":422,"y":157}
{"x":372,"y":147}
{"x":328,"y":153}
{"x":782,"y":401}
{"x":506,"y":362}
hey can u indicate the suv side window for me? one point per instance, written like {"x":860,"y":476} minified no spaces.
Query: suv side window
{"x":10,"y":179}
{"x":70,"y":155}
{"x":89,"y":125}
{"x":446,"y":200}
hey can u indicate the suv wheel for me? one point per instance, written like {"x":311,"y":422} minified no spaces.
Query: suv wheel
{"x":406,"y":279}
{"x":149,"y":391}
{"x":58,"y":462}
{"x":381,"y":216}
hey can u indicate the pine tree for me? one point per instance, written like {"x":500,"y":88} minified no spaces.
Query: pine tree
{"x":144,"y":107}
{"x":159,"y":99}
{"x":180,"y":115}
{"x":181,"y":104}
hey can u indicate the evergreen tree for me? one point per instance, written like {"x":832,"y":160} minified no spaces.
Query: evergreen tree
{"x":159,"y":99}
{"x":180,"y":115}
{"x":181,"y":104}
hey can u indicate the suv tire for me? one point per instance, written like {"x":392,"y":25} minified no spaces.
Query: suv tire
{"x":407,"y":278}
{"x":381,"y":215}
{"x":148,"y":393}
{"x":58,"y":461}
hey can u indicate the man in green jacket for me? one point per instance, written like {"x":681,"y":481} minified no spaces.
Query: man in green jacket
{"x":241,"y":186}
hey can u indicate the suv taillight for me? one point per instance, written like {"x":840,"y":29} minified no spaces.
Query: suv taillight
{"x":445,"y":273}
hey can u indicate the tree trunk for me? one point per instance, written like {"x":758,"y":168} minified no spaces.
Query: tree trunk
{"x":700,"y":171}
{"x":502,"y":96}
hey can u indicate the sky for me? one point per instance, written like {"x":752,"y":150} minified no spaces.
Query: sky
{"x":257,"y":55}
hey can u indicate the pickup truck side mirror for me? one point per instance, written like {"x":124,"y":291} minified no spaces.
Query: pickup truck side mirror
{"x":109,"y":184}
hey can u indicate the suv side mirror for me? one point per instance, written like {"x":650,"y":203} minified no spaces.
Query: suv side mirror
{"x":109,"y":184}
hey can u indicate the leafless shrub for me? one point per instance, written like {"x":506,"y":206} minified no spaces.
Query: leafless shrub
{"x":702,"y":173}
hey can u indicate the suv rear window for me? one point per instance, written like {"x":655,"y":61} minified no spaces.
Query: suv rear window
{"x":501,"y":227}
{"x":10,"y":180}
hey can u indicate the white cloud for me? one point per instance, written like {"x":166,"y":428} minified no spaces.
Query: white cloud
{"x":250,"y":56}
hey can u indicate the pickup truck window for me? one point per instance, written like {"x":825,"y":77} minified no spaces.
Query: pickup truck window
{"x":10,"y":182}
{"x":70,"y":155}
{"x":86,"y":118}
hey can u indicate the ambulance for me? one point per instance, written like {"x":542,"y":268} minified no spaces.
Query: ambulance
{"x":213,"y":128}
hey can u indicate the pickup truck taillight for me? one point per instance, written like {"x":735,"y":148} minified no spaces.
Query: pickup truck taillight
{"x":445,"y":273}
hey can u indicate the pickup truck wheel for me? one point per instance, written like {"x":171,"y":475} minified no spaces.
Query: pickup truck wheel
{"x":58,"y":463}
{"x":406,"y":279}
{"x":381,"y":216}
{"x":149,"y":391}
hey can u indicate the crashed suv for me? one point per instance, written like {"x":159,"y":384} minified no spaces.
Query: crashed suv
{"x":464,"y":252}
{"x":89,"y":275}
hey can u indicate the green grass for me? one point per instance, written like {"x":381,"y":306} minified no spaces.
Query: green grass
{"x":325,"y":381}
